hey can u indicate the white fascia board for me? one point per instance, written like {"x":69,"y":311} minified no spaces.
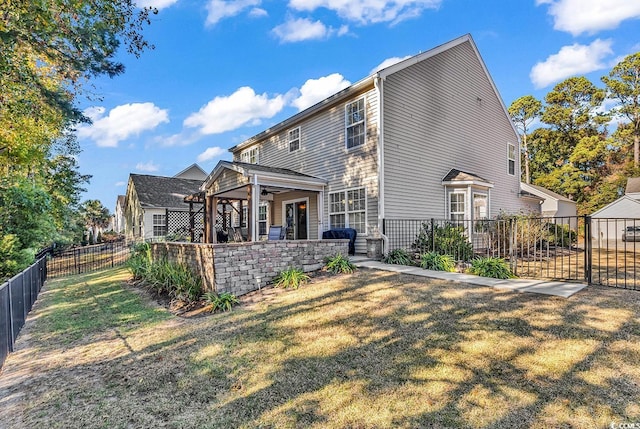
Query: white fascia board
{"x":468,"y":183}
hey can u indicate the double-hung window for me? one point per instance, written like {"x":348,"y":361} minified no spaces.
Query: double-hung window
{"x":159,"y":225}
{"x":347,"y":209}
{"x":262,"y":218}
{"x":250,"y":156}
{"x":511,"y":157}
{"x":355,"y":123}
{"x":294,"y":139}
{"x":456,"y":206}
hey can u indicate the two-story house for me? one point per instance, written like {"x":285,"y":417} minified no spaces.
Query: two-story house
{"x":428,"y":137}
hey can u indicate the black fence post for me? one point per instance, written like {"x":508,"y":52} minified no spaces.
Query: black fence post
{"x":433,"y":235}
{"x":588,"y":252}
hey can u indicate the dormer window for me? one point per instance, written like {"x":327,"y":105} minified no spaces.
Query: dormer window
{"x":294,"y":139}
{"x":250,"y":156}
{"x":355,"y":123}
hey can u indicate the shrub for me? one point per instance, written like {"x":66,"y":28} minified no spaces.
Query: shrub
{"x":338,"y":264}
{"x":176,"y":280}
{"x":561,"y":235}
{"x":496,"y":268}
{"x":438,"y":262}
{"x":448,"y":239}
{"x":223,"y":301}
{"x":140,"y":260}
{"x":290,"y":278}
{"x":399,"y":257}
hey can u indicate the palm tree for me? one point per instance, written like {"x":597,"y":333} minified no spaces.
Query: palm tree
{"x":95,"y":215}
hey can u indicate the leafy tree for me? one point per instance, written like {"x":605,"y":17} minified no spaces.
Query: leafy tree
{"x":569,"y":154}
{"x":623,"y":84}
{"x":96,"y":216}
{"x":523,"y":112}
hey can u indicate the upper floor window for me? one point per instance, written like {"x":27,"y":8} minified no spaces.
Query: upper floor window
{"x":355,"y":123}
{"x":294,"y":139}
{"x":250,"y":156}
{"x":511,"y":156}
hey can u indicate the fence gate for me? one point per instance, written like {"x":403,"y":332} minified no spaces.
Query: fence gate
{"x":595,"y":251}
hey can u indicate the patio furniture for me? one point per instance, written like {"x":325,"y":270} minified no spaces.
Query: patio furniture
{"x":342,"y":233}
{"x":276,"y":232}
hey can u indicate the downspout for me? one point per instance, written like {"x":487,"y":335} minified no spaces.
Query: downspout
{"x":378,"y":84}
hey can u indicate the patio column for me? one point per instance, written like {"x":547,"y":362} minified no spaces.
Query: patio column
{"x":253,"y":209}
{"x":213,"y":218}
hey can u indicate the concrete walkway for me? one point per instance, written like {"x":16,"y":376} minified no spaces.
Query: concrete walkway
{"x":546,"y":287}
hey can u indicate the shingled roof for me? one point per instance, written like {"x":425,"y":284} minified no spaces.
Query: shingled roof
{"x":163,"y":192}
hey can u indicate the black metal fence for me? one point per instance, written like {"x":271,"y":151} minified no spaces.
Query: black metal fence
{"x":17,"y":296}
{"x":79,"y":260}
{"x":597,"y":251}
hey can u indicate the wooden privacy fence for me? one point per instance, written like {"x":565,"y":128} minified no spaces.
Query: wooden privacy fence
{"x":578,"y":248}
{"x":17,"y":296}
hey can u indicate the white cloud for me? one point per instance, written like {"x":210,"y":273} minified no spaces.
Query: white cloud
{"x":369,"y":11}
{"x":121,"y":123}
{"x":229,"y":113}
{"x":120,"y":184}
{"x":210,"y":153}
{"x":387,"y":63}
{"x":590,"y":16}
{"x":220,"y":9}
{"x":257,"y":12}
{"x":158,"y":4}
{"x":299,"y":29}
{"x":570,"y":61}
{"x":148,"y":167}
{"x":315,"y":90}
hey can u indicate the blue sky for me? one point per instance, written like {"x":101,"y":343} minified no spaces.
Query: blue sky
{"x":222,"y":71}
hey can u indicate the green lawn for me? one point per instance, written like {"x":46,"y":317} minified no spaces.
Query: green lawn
{"x":369,"y":350}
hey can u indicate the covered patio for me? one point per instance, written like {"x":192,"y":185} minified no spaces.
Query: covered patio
{"x":249,"y":199}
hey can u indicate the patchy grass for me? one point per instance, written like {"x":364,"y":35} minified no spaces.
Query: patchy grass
{"x":372,"y":349}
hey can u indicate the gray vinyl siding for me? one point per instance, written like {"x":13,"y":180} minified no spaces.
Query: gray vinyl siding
{"x":323,"y":154}
{"x":439,"y":114}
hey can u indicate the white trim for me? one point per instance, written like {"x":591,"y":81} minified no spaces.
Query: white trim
{"x":248,"y":151}
{"x":299,"y":139}
{"x":364,"y":122}
{"x":255,"y":201}
{"x":284,"y":213}
{"x":379,"y":86}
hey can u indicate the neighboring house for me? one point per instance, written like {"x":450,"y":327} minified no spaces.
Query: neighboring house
{"x":118,"y":216}
{"x":428,"y":137}
{"x":552,"y":204}
{"x":611,"y":221}
{"x":149,"y":197}
{"x":193,"y":172}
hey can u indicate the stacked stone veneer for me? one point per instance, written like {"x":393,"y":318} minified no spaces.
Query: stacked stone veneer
{"x":240,"y":268}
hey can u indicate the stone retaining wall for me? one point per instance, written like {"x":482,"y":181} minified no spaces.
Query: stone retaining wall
{"x":240,"y":268}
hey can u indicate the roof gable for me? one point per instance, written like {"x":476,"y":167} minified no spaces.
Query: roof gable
{"x":163,"y":192}
{"x":369,"y":82}
{"x":623,"y":202}
{"x":192,"y":172}
{"x":544,"y":192}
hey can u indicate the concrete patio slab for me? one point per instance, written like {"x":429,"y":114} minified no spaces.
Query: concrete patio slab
{"x":546,"y":287}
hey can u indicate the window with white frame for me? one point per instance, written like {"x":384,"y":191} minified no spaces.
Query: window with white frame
{"x":355,"y":123}
{"x":457,"y":206}
{"x":294,"y":139}
{"x":347,"y":209}
{"x":262,"y":218}
{"x":159,"y":225}
{"x":250,"y":156}
{"x":511,"y":156}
